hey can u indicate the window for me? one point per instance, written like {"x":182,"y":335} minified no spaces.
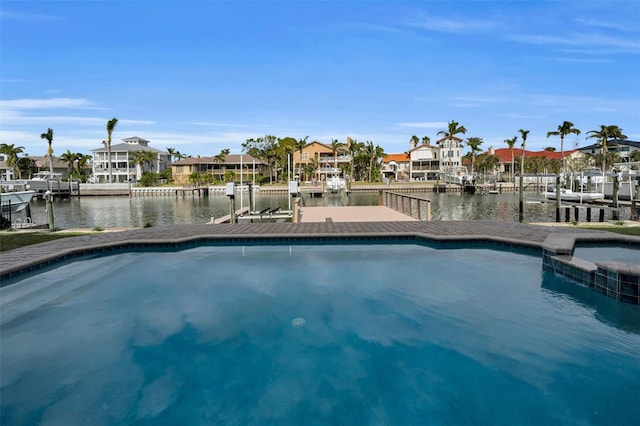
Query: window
{"x":305,"y":156}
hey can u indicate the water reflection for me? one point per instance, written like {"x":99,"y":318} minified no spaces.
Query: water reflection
{"x":605,"y":309}
{"x":113,"y":212}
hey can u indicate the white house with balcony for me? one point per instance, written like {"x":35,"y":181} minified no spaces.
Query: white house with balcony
{"x":123,"y":166}
{"x":450,"y":152}
{"x":425,"y":162}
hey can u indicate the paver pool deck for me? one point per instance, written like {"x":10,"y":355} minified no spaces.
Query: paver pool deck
{"x":557,"y":238}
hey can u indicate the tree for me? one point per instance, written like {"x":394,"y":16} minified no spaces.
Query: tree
{"x":474,"y":143}
{"x":221,"y":158}
{"x":140,"y":158}
{"x":299,"y":146}
{"x":49,"y":137}
{"x":566,"y":128}
{"x":172,"y":154}
{"x":414,"y":141}
{"x":523,"y":135}
{"x":111,"y":125}
{"x":336,"y":146}
{"x":83,"y":161}
{"x":452,"y":130}
{"x":510,"y":143}
{"x":426,"y":140}
{"x":354,"y":148}
{"x":26,"y":166}
{"x":603,"y":135}
{"x":70,"y":158}
{"x":12,"y":151}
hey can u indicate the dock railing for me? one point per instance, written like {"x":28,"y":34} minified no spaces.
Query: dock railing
{"x":417,"y":207}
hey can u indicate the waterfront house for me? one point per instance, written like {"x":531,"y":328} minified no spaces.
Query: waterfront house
{"x":245,"y":168}
{"x":123,"y":166}
{"x":425,"y":162}
{"x":450,"y":152}
{"x":396,"y":167}
{"x":321,"y":157}
{"x":504,"y":157}
{"x":624,"y":148}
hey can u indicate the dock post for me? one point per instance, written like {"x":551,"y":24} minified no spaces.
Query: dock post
{"x":49,"y":203}
{"x":558,"y":198}
{"x":616,"y":189}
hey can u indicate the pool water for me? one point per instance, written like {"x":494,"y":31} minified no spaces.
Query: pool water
{"x":317,"y":334}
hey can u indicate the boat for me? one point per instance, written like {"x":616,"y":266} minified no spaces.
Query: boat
{"x":336,"y":184}
{"x":458,"y":175}
{"x":569,"y":195}
{"x":42,"y":182}
{"x":15,"y":201}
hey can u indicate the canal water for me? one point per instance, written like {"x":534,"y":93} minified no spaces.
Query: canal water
{"x":124,"y":212}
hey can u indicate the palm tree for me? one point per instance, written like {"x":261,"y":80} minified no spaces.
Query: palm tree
{"x":336,"y":146}
{"x":603,"y":135}
{"x":172,"y":154}
{"x":510,"y":143}
{"x":49,"y":137}
{"x":523,"y":135}
{"x":299,"y":146}
{"x":566,"y":128}
{"x":426,"y":140}
{"x":474,"y":143}
{"x":414,"y":141}
{"x":452,"y":130}
{"x":12,"y":151}
{"x":140,"y":158}
{"x":354,"y":147}
{"x":221,"y":158}
{"x":83,"y":160}
{"x":70,"y":158}
{"x":111,"y":125}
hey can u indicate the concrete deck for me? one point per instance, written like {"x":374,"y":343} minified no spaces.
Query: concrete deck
{"x":560,"y":239}
{"x":352,"y":214}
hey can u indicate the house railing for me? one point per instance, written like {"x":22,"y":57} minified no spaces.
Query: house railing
{"x":417,"y":207}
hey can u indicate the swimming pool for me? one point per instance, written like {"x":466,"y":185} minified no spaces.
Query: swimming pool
{"x":325,"y":334}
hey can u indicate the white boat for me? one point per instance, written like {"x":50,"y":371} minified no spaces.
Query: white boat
{"x":569,"y":195}
{"x":458,"y":175}
{"x":336,"y":184}
{"x":15,"y":201}
{"x":45,"y":181}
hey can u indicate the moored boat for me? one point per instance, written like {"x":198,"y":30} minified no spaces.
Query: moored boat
{"x":15,"y":201}
{"x":569,"y":195}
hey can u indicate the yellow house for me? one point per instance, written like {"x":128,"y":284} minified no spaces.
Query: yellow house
{"x":321,"y":158}
{"x":241,"y":164}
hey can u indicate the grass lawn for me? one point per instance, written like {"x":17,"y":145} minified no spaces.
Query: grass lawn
{"x":14,"y":239}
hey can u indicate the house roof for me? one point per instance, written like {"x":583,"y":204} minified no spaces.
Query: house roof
{"x":452,"y":137}
{"x":398,"y":158}
{"x":504,"y":154}
{"x":424,"y":146}
{"x":135,"y":139}
{"x":127,"y":147}
{"x":610,"y":143}
{"x":229,"y":159}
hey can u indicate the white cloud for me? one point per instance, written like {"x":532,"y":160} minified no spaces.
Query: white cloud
{"x":451,"y":26}
{"x":424,"y":125}
{"x":631,"y":45}
{"x":28,"y":104}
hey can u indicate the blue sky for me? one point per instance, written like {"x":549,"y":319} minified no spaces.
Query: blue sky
{"x":201,"y":76}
